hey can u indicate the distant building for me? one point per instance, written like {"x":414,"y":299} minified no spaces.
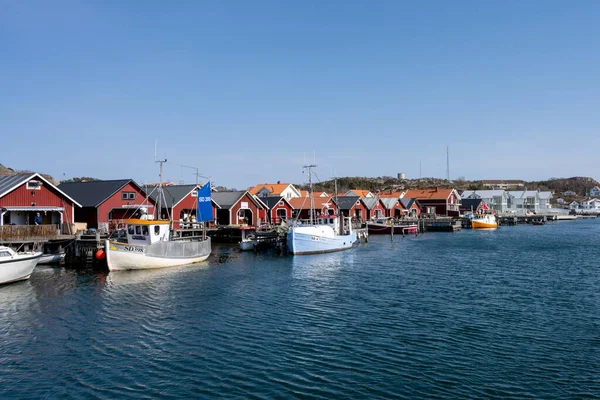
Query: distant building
{"x":495,"y":199}
{"x":593,"y":204}
{"x":560,"y":201}
{"x":506,"y":184}
{"x":286,"y":190}
{"x":595,"y":191}
{"x":574,"y":205}
{"x":359,"y":193}
{"x":569,"y":193}
{"x":436,"y":201}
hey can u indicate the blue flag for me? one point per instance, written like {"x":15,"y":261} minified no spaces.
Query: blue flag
{"x":205,"y":212}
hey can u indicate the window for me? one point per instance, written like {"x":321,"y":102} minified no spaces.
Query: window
{"x":127,"y":195}
{"x":145,"y":230}
{"x":138,"y":230}
{"x":280,"y":203}
{"x":130,"y":229}
{"x":34,"y":185}
{"x":156,"y":230}
{"x":195,"y":193}
{"x":4,"y":254}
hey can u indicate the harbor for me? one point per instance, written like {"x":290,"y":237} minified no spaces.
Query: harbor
{"x":513,"y":294}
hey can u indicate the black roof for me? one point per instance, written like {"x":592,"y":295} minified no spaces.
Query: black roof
{"x":470,"y":204}
{"x":93,"y":193}
{"x":346,"y":202}
{"x":226,"y":199}
{"x":271,"y":201}
{"x":173,"y":194}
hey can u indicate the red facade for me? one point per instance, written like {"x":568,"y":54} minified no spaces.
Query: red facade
{"x":282,"y":210}
{"x":377,"y":210}
{"x":35,"y":200}
{"x":244,"y":211}
{"x":115,"y":208}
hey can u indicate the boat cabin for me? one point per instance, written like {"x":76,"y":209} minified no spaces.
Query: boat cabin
{"x":333,"y":221}
{"x":144,"y":232}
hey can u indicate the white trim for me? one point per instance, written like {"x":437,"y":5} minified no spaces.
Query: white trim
{"x":43,"y":179}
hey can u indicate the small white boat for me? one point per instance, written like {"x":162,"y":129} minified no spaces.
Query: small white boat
{"x":51,"y":258}
{"x":248,"y":241}
{"x":16,"y":266}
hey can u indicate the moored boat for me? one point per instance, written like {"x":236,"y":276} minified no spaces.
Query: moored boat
{"x":153,"y":243}
{"x":325,"y":234}
{"x":385,"y":226}
{"x":16,"y":266}
{"x":51,"y":258}
{"x":248,"y":241}
{"x":329,"y":234}
{"x":484,"y":221}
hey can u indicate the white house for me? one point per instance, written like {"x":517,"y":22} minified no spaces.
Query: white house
{"x":595,"y":191}
{"x":286,"y":190}
{"x":560,"y":201}
{"x":496,"y":199}
{"x":569,"y":193}
{"x":545,"y":200}
{"x":574,"y":205}
{"x":593,"y":204}
{"x":523,"y":201}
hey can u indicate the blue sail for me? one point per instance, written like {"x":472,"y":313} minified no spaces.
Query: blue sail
{"x":205,"y":212}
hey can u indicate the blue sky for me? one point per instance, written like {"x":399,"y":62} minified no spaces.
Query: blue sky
{"x":244,"y":90}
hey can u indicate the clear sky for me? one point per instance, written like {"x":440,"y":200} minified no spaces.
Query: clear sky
{"x":243,"y":90}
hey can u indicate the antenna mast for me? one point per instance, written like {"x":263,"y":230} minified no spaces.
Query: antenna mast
{"x":447,"y":164}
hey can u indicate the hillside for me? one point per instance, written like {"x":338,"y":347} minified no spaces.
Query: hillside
{"x":4,"y":171}
{"x":580,"y":185}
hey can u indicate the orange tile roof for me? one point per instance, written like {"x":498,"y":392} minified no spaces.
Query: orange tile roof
{"x":428,"y":194}
{"x":274,"y":188}
{"x":304,"y":193}
{"x":390,"y":195}
{"x":303,"y":203}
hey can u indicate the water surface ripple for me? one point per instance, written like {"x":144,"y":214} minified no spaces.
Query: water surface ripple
{"x":512,"y":313}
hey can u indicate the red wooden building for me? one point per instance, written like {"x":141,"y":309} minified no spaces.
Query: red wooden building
{"x":277,"y":209}
{"x":436,"y":201}
{"x":236,"y":208}
{"x":375,"y":207}
{"x":352,"y":206}
{"x":22,"y":196}
{"x":105,"y":203}
{"x":321,"y":206}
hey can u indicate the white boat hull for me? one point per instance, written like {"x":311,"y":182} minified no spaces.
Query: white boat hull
{"x":18,"y":268}
{"x":247,"y":244}
{"x":123,"y":256}
{"x":304,"y":240}
{"x":51,"y":258}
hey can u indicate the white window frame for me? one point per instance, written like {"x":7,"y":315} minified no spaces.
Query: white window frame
{"x":38,"y":185}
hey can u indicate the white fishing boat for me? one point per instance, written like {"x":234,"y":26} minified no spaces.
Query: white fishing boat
{"x":153,"y":243}
{"x":330,"y":233}
{"x":325,"y":234}
{"x":16,"y":266}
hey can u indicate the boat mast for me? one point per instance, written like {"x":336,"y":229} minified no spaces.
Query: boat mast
{"x":310,"y":190}
{"x":160,"y":188}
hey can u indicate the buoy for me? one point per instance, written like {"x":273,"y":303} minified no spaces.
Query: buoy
{"x":100,"y":254}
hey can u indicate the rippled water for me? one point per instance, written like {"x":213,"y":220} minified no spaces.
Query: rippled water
{"x":481,"y":314}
